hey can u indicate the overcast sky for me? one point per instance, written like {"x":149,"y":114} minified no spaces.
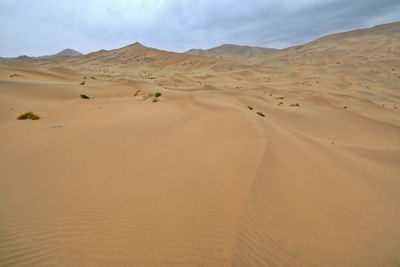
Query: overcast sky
{"x":41,"y":27}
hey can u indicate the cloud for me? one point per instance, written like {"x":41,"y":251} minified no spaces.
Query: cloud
{"x":43,"y":27}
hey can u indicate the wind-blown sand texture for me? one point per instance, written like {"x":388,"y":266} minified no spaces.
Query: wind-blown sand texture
{"x":199,"y":179}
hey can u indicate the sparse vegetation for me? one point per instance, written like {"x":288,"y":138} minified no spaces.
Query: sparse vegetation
{"x":295,"y":105}
{"x":280,"y":104}
{"x":93,"y":78}
{"x":137,"y":92}
{"x":249,"y":107}
{"x":155,"y":100}
{"x":16,"y":75}
{"x":82,"y":83}
{"x":84,"y":97}
{"x":148,"y":96}
{"x":279,"y":98}
{"x":158,"y":94}
{"x":260,"y":114}
{"x":28,"y":116}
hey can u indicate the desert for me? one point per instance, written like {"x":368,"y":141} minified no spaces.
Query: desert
{"x":237,"y":156}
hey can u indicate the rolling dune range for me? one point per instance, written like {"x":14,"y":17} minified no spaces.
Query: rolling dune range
{"x":198,"y":178}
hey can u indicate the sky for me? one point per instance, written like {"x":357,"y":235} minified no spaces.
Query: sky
{"x":43,"y":27}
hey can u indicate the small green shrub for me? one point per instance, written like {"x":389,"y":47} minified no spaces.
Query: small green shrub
{"x":28,"y":116}
{"x":82,"y":83}
{"x":261,"y":114}
{"x":84,"y":97}
{"x":249,"y":107}
{"x":158,"y":94}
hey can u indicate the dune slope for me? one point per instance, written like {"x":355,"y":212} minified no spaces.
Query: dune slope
{"x":198,"y":178}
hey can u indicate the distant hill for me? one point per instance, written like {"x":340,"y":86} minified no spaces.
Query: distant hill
{"x":231,"y":51}
{"x":66,"y":52}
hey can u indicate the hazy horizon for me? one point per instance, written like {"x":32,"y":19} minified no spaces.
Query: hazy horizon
{"x":47,"y":27}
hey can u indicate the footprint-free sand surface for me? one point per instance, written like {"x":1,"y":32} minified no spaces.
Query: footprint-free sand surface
{"x":198,"y":178}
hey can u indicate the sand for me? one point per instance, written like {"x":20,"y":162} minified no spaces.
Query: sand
{"x":197,"y":178}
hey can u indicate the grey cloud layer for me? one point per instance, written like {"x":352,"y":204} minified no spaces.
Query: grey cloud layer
{"x":44,"y":27}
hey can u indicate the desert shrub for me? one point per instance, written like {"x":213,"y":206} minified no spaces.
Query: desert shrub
{"x":82,"y":83}
{"x":249,"y":107}
{"x":279,"y":98}
{"x":280,"y":104}
{"x":261,"y":114}
{"x":295,"y":105}
{"x":84,"y":97}
{"x":28,"y":116}
{"x":155,"y":100}
{"x":16,"y":75}
{"x":93,"y":78}
{"x":148,"y":96}
{"x":158,"y":94}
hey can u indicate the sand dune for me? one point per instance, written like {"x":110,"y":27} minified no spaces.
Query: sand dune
{"x":231,"y":51}
{"x":198,"y":178}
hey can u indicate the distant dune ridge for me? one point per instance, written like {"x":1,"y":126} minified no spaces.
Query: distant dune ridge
{"x":347,"y":46}
{"x":168,"y":162}
{"x":231,"y":51}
